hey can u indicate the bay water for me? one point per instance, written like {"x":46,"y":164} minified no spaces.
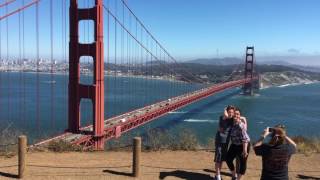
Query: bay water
{"x":297,"y":107}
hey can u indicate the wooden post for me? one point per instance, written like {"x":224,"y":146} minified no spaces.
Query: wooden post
{"x":22,"y":156}
{"x":136,"y":156}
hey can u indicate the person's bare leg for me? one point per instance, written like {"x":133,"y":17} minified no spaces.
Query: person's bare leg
{"x":218,"y":170}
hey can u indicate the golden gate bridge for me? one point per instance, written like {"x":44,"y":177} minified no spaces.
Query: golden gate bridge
{"x":110,"y":38}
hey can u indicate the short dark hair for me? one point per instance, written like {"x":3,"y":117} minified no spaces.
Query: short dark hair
{"x":229,"y":107}
{"x":237,"y":109}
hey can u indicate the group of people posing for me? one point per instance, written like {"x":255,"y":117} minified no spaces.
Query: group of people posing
{"x":232,"y":143}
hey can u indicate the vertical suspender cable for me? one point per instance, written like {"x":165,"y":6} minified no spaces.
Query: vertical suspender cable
{"x":88,"y":63}
{"x":122,"y":83}
{"x":148,"y":70}
{"x":136,"y":58}
{"x":1,"y":63}
{"x":132,"y":61}
{"x":128,"y":54}
{"x":155,"y":66}
{"x":152,"y":68}
{"x":171,"y":78}
{"x":142,"y":63}
{"x":62,"y":51}
{"x":8,"y":67}
{"x":85,"y":35}
{"x":115,"y":56}
{"x":51,"y":69}
{"x":108,"y":88}
{"x":38,"y":63}
{"x":20,"y":66}
{"x":24,"y":78}
{"x":64,"y":46}
{"x":157,"y":69}
{"x":129,"y":59}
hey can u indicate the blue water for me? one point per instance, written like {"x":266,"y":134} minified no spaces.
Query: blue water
{"x":297,"y":107}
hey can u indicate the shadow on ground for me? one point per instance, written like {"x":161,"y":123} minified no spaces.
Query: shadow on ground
{"x":8,"y":175}
{"x":300,"y":176}
{"x":185,"y":175}
{"x":75,"y":167}
{"x":117,"y":173}
{"x":222,"y":173}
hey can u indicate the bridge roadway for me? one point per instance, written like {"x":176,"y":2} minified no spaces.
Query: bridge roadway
{"x":118,"y":125}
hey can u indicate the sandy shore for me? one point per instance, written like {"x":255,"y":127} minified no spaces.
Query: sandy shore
{"x":166,"y":165}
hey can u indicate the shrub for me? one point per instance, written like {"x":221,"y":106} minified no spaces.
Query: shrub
{"x":9,"y":141}
{"x":157,"y":139}
{"x":307,"y":145}
{"x":186,"y":140}
{"x":63,"y":146}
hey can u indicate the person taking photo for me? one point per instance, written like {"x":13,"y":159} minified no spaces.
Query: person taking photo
{"x":275,"y":154}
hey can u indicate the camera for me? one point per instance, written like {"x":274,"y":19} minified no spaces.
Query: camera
{"x":271,"y":129}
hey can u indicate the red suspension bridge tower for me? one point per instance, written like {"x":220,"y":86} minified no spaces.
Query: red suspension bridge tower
{"x":95,"y":91}
{"x":248,"y":71}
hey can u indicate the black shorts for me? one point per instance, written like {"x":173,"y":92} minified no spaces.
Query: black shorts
{"x":221,"y":152}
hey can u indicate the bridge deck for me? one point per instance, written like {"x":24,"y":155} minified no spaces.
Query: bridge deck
{"x":117,"y":125}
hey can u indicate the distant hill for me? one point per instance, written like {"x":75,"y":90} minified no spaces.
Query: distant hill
{"x":156,"y":62}
{"x":232,"y":61}
{"x":307,"y":68}
{"x":275,"y":62}
{"x":285,"y":63}
{"x":216,"y":61}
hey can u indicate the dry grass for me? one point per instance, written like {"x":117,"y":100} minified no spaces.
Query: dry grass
{"x":185,"y":140}
{"x":307,"y":145}
{"x":8,"y":141}
{"x":63,"y":146}
{"x":170,"y":165}
{"x":158,"y":140}
{"x":153,"y":140}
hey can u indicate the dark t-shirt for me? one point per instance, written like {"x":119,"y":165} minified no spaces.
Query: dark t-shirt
{"x":225,"y":125}
{"x":275,"y":160}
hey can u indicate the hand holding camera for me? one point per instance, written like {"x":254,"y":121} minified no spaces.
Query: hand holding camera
{"x":267,"y":131}
{"x":271,"y":130}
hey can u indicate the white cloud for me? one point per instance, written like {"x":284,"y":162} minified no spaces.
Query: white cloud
{"x":293,"y":51}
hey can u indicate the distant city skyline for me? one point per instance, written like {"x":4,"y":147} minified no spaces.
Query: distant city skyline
{"x":287,"y":30}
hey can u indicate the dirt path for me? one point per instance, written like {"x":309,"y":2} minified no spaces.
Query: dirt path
{"x":167,"y":165}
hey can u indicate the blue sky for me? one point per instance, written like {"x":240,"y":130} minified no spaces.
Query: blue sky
{"x":197,"y":28}
{"x":204,"y":28}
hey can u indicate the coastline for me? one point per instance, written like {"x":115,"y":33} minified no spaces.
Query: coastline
{"x":288,"y":84}
{"x":106,"y":75}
